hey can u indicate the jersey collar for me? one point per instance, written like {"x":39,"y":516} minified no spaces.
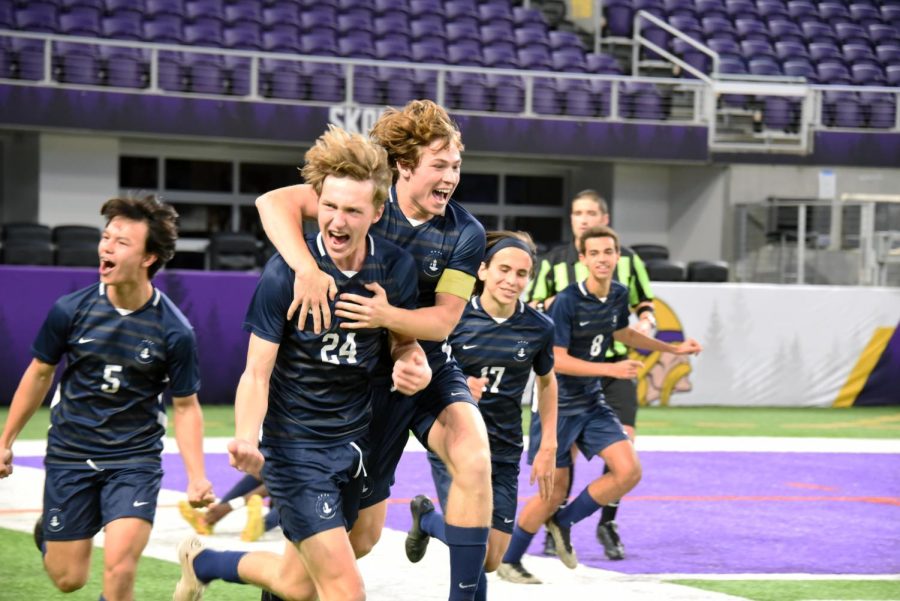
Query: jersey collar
{"x":320,"y":246}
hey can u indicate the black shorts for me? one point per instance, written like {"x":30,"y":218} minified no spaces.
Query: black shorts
{"x":621,"y":396}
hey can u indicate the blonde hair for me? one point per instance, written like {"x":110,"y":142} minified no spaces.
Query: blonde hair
{"x":405,"y":132}
{"x":341,"y":154}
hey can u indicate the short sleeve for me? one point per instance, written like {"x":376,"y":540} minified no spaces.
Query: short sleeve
{"x":469,"y":250}
{"x":51,"y":342}
{"x":266,"y":316}
{"x":561,"y":313}
{"x":184,"y":367}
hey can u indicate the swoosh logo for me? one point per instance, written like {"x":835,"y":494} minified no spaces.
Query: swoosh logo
{"x":507,"y":521}
{"x":583,"y":323}
{"x":456,"y":393}
{"x":85,"y":340}
{"x":464,"y":586}
{"x":140,"y":503}
{"x":468,"y":346}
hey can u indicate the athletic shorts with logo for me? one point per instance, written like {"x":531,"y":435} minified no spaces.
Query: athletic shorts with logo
{"x":592,"y":431}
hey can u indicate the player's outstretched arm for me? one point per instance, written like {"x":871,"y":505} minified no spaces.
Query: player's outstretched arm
{"x":189,"y":436}
{"x":544,"y":467}
{"x":631,"y":337}
{"x":250,"y":405}
{"x":282,"y":212}
{"x":411,"y":370}
{"x":32,"y":389}
{"x":424,"y":323}
{"x":568,"y":365}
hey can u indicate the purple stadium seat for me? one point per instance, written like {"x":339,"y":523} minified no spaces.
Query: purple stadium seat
{"x":891,"y":14}
{"x":786,"y":31}
{"x":736,"y":66}
{"x":243,"y":10}
{"x":465,"y":52}
{"x":764,"y":66}
{"x":545,"y":98}
{"x":535,"y":58}
{"x":113,"y":6}
{"x":757,"y":48}
{"x":77,"y":63}
{"x":717,"y":27}
{"x":205,"y":73}
{"x":69,"y":4}
{"x":282,"y":79}
{"x":243,"y":35}
{"x":851,"y":33}
{"x":81,"y":20}
{"x":204,"y":33}
{"x":498,"y":32}
{"x":655,"y":7}
{"x":680,"y":8}
{"x":865,"y":14}
{"x":833,"y":73}
{"x":855,"y":53}
{"x":691,"y":55}
{"x":204,"y":9}
{"x":778,"y":112}
{"x":427,"y":26}
{"x":281,"y":12}
{"x":570,"y":60}
{"x":879,"y":32}
{"x":818,"y":32}
{"x":124,"y":25}
{"x":565,"y":39}
{"x":801,"y":8}
{"x":819,"y":51}
{"x":751,"y":29}
{"x":164,"y":28}
{"x":462,"y":31}
{"x":500,"y":57}
{"x":29,"y":58}
{"x":388,"y":6}
{"x":834,"y":12}
{"x":391,"y":24}
{"x":892,"y":72}
{"x":459,"y":11}
{"x":619,"y":18}
{"x":508,"y":93}
{"x":164,"y":7}
{"x":355,"y":22}
{"x":769,"y":9}
{"x":641,"y":101}
{"x":125,"y":67}
{"x":429,"y":51}
{"x":38,"y":16}
{"x":726,"y":49}
{"x":319,"y":43}
{"x":366,"y":87}
{"x":7,"y":15}
{"x":393,"y":50}
{"x":711,"y":8}
{"x":494,"y":12}
{"x":420,"y":8}
{"x":282,"y":40}
{"x":602,"y":63}
{"x":526,"y":38}
{"x":787,"y":50}
{"x":655,"y":35}
{"x":842,"y":109}
{"x":741,"y":9}
{"x":867,"y":74}
{"x":799,"y":67}
{"x":236,"y":75}
{"x":356,"y":7}
{"x":888,"y":53}
{"x":172,"y":72}
{"x":326,"y":82}
{"x":523,"y":16}
{"x":880,"y":108}
{"x":357,"y":47}
{"x":688,"y":25}
{"x":401,"y":86}
{"x":321,"y":16}
{"x":578,"y":97}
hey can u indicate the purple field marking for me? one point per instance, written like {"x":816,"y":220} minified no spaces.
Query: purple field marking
{"x":709,"y":512}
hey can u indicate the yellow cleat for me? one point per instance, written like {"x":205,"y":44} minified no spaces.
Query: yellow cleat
{"x":255,"y":526}
{"x":194,"y":517}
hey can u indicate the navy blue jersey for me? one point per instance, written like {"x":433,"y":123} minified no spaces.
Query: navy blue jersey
{"x":319,"y":392}
{"x":454,"y":240}
{"x":584,"y":325}
{"x":505,"y":353}
{"x":108,"y":406}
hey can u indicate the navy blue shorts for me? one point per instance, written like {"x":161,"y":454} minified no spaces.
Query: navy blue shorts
{"x":80,"y":500}
{"x":394,"y":415}
{"x":504,"y":487}
{"x":315,"y":489}
{"x":592,"y":431}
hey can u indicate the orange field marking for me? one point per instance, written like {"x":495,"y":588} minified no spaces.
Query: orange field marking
{"x":809,"y":486}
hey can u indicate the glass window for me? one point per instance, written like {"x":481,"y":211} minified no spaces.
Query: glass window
{"x":478,"y":187}
{"x":544,"y":230}
{"x":199,"y":220}
{"x":257,"y":178}
{"x":527,"y":190}
{"x":139,"y":173}
{"x":201,"y":176}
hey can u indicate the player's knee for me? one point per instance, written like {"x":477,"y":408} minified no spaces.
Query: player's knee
{"x":631,"y":477}
{"x":69,"y":581}
{"x":492,"y":560}
{"x":471,"y":467}
{"x":121,"y":572}
{"x":364,"y":543}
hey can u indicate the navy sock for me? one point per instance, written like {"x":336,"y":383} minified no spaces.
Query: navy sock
{"x":432,"y":523}
{"x":518,"y":544}
{"x":102,"y":598}
{"x":241,"y":488}
{"x":577,"y":510}
{"x":209,"y":565}
{"x":481,"y":591}
{"x":272,"y":518}
{"x":468,"y":547}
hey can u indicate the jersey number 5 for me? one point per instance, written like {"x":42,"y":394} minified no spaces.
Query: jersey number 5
{"x":347,"y":350}
{"x":110,"y":382}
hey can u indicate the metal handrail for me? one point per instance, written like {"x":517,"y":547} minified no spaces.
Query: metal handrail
{"x":642,"y":14}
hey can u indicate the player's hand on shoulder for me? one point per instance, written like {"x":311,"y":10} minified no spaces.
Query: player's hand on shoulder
{"x":412,"y":374}
{"x":363,"y":311}
{"x":245,"y":456}
{"x":626,"y":370}
{"x":6,"y":462}
{"x":477,"y":386}
{"x":689,"y":347}
{"x":312,"y":290}
{"x":200,"y":493}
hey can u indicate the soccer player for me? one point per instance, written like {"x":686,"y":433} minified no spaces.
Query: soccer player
{"x":247,"y":492}
{"x":498,"y":341}
{"x":587,"y":316}
{"x":311,"y":391}
{"x":424,"y":148}
{"x":558,"y":269}
{"x":124,"y":343}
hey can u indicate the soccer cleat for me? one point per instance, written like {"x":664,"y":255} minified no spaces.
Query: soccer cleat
{"x":549,"y":546}
{"x":255,"y":526}
{"x":416,"y":539}
{"x":564,"y":549}
{"x":194,"y":517}
{"x":516,"y":573}
{"x":189,"y":587}
{"x":39,"y":533}
{"x":608,"y":535}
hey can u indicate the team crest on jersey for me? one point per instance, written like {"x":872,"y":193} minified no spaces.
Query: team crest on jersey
{"x":433,"y":263}
{"x":144,"y":352}
{"x":326,"y":506}
{"x":55,"y":520}
{"x":614,"y":317}
{"x":521,"y":353}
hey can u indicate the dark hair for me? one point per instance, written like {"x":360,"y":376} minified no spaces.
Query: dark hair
{"x":590,"y":194}
{"x":601,"y":231}
{"x":494,"y":238}
{"x":161,"y":220}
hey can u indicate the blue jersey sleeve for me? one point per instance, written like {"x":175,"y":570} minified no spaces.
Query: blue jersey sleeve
{"x":51,"y":342}
{"x":184,"y":367}
{"x":561,"y":313}
{"x":543,"y":361}
{"x":266,"y":316}
{"x":469,"y":250}
{"x":407,"y":293}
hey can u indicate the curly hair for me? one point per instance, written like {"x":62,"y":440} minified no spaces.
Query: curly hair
{"x":341,"y":154}
{"x":600,"y":231}
{"x":161,"y":220}
{"x":405,"y":132}
{"x":495,"y":237}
